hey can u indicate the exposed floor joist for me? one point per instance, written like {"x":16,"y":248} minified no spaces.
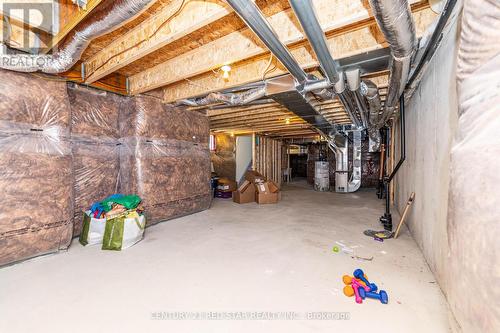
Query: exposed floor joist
{"x":349,"y":32}
{"x":174,"y":22}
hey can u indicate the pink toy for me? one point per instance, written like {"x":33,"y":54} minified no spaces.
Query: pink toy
{"x":355,"y":287}
{"x":355,"y":282}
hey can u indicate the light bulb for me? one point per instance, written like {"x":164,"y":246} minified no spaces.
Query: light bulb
{"x":225,"y":72}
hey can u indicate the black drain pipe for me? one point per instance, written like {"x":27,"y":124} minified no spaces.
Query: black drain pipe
{"x":386,"y":219}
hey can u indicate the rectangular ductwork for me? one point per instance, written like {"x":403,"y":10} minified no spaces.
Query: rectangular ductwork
{"x":282,"y":90}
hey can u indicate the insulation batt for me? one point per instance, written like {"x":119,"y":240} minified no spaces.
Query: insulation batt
{"x":474,"y":205}
{"x":171,"y":176}
{"x":147,"y":117}
{"x":36,"y":206}
{"x":164,"y":158}
{"x":96,"y":147}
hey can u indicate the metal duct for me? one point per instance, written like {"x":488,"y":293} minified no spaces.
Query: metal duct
{"x":282,"y":90}
{"x":255,"y":20}
{"x":109,"y":16}
{"x":304,"y":10}
{"x":232,"y":99}
{"x":345,"y":99}
{"x":354,"y":82}
{"x":370,"y":91}
{"x":342,"y":183}
{"x":355,"y":181}
{"x":395,"y":20}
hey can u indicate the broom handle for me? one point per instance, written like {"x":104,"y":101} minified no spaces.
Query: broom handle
{"x":405,"y":212}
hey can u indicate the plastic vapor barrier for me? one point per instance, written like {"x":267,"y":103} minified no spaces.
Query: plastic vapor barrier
{"x":36,"y":209}
{"x":474,"y":205}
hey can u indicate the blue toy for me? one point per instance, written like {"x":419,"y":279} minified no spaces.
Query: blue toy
{"x":381,"y":296}
{"x":360,"y":275}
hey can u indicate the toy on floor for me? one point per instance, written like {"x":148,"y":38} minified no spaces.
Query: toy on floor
{"x":359,"y":286}
{"x":358,"y":274}
{"x":381,"y":295}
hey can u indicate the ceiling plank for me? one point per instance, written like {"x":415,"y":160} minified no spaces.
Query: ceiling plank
{"x":242,"y":45}
{"x":343,"y":45}
{"x":167,"y":26}
{"x":17,"y":33}
{"x":77,"y":17}
{"x":251,"y":113}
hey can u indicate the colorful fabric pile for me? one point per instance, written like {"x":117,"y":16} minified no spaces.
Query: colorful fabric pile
{"x":115,"y":204}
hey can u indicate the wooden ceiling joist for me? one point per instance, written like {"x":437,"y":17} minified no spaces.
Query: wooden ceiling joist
{"x":273,"y":107}
{"x":15,"y":33}
{"x":349,"y":32}
{"x":256,"y":118}
{"x":178,"y":19}
{"x":270,"y":113}
{"x":76,"y":17}
{"x":259,"y":124}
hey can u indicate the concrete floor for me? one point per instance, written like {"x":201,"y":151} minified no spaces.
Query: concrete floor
{"x":232,"y":258}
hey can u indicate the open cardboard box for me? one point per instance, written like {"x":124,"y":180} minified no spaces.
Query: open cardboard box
{"x":267,"y":192}
{"x":245,"y":193}
{"x":254,"y":177}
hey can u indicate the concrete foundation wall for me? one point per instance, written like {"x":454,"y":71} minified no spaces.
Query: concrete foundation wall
{"x":431,"y":124}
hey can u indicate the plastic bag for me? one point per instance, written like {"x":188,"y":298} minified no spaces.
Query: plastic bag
{"x":122,"y":232}
{"x":92,"y":230}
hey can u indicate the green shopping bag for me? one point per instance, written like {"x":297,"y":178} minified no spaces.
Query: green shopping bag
{"x":122,"y":232}
{"x":92,"y":230}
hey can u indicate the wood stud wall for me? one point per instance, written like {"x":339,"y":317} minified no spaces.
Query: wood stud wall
{"x":268,"y":160}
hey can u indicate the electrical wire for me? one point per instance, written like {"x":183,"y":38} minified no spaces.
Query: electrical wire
{"x":179,"y":9}
{"x":268,"y":70}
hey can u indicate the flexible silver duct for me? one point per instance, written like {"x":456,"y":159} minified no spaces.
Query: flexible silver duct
{"x":109,"y":16}
{"x":227,"y":98}
{"x":395,"y":20}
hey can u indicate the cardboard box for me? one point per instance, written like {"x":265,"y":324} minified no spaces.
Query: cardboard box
{"x":267,"y":193}
{"x":245,"y":193}
{"x":254,"y":176}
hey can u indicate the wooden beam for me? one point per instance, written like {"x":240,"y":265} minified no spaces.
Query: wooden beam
{"x":253,"y":112}
{"x":215,"y":113}
{"x":258,"y":123}
{"x":243,"y":45}
{"x":37,"y":39}
{"x":256,"y":117}
{"x":268,"y":128}
{"x":115,"y":83}
{"x":167,"y":26}
{"x":344,"y":45}
{"x":77,"y":17}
